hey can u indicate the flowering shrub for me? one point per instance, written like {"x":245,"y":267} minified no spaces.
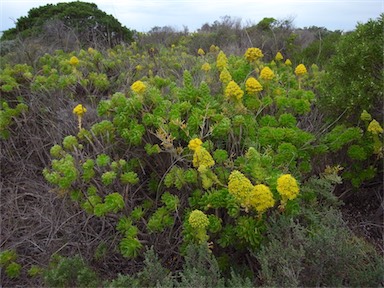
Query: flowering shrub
{"x":192,"y":148}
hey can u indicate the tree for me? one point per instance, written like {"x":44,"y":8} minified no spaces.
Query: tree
{"x":355,"y":77}
{"x":89,"y":23}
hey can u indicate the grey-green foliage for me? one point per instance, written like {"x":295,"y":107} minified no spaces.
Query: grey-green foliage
{"x":70,"y":272}
{"x":319,"y":251}
{"x":153,"y":274}
{"x":200,"y":269}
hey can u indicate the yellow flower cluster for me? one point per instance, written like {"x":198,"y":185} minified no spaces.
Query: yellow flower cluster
{"x":240,"y":187}
{"x":221,"y":61}
{"x":365,"y":116}
{"x":233,"y":91}
{"x":252,"y":86}
{"x":374,"y":127}
{"x":279,"y":56}
{"x":213,"y":48}
{"x":300,"y":70}
{"x":253,"y":54}
{"x":138,"y":87}
{"x":198,"y":220}
{"x":79,"y":110}
{"x":206,"y":67}
{"x":225,"y":76}
{"x":288,"y":62}
{"x":200,"y":52}
{"x":287,"y":187}
{"x":258,"y":197}
{"x":261,"y":198}
{"x":266,"y":73}
{"x":202,"y":158}
{"x":194,"y":143}
{"x":73,"y":61}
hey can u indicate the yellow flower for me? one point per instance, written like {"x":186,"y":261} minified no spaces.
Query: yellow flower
{"x":240,"y":187}
{"x":374,"y":127}
{"x":79,"y":110}
{"x":201,"y":157}
{"x":267,"y":74}
{"x":300,"y":70}
{"x":365,"y":116}
{"x":279,"y":56}
{"x":213,"y":48}
{"x":225,"y":76}
{"x":194,"y":143}
{"x":221,"y":61}
{"x":138,"y":87}
{"x":288,"y":62}
{"x":91,"y":50}
{"x":73,"y":61}
{"x":200,"y":52}
{"x":198,"y":220}
{"x":287,"y":187}
{"x":139,"y":67}
{"x":252,"y":86}
{"x":233,"y":91}
{"x":206,"y":67}
{"x":261,"y":198}
{"x":253,"y":54}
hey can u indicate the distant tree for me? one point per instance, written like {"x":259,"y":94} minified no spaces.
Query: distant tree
{"x":88,"y":22}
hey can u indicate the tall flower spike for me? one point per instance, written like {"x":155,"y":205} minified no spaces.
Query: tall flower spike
{"x":252,"y":86}
{"x":233,"y":91}
{"x":300,"y":70}
{"x":253,"y":54}
{"x":267,"y":74}
{"x":79,"y":110}
{"x":279,"y":56}
{"x":287,"y":187}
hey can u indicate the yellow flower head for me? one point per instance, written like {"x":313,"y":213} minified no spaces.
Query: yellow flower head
{"x":300,"y":70}
{"x":261,"y":198}
{"x":240,"y":187}
{"x":201,"y":157}
{"x":279,"y":56}
{"x":233,"y":91}
{"x":194,"y":143}
{"x":73,"y":61}
{"x":221,"y":61}
{"x":79,"y":110}
{"x":252,"y":86}
{"x":213,"y":48}
{"x":266,"y":73}
{"x":288,"y":62}
{"x":206,"y":67}
{"x":200,"y":52}
{"x":138,"y":87}
{"x":91,"y":50}
{"x":365,"y":116}
{"x":287,"y":187}
{"x":198,"y":220}
{"x":374,"y":127}
{"x":225,"y":76}
{"x":253,"y":54}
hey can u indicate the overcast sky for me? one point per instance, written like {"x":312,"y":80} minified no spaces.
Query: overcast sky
{"x":142,"y":15}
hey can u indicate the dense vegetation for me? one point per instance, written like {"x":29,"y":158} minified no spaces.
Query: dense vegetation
{"x":186,"y":162}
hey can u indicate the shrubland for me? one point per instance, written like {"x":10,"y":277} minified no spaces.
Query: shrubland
{"x":161,"y":166}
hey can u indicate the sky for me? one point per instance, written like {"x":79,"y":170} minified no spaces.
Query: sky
{"x":143,"y":15}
